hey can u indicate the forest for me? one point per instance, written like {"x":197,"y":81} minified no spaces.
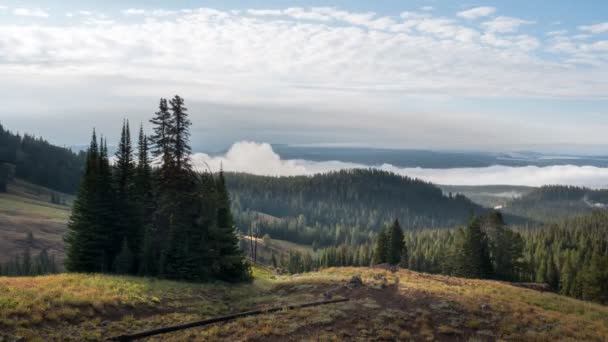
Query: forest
{"x":551,"y":203}
{"x":37,"y":161}
{"x":570,"y":257}
{"x":346,"y":206}
{"x":166,"y":220}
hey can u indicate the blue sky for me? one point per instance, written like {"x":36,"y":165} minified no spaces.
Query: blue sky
{"x":495,"y":75}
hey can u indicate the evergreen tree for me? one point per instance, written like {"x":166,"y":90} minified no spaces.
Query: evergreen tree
{"x":162,"y":139}
{"x":476,"y":258}
{"x":85,"y":240}
{"x":595,"y":279}
{"x":396,"y":244}
{"x":381,"y":248}
{"x":180,"y":133}
{"x":127,"y":221}
{"x":506,"y":247}
{"x":144,"y":206}
{"x":232,"y":265}
{"x":105,"y":209}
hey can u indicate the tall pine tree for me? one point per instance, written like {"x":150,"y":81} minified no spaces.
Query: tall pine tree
{"x":85,"y":241}
{"x":128,"y":225}
{"x":381,"y":248}
{"x":396,"y":244}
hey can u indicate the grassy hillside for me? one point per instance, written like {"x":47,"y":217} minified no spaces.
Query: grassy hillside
{"x":266,"y":248}
{"x":27,"y":208}
{"x":389,"y":306}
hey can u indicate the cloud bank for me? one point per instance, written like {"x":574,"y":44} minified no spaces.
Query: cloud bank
{"x":260,"y":159}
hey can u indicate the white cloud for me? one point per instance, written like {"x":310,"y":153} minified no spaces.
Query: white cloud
{"x":260,"y":159}
{"x":504,"y":24}
{"x":134,"y":11}
{"x":332,"y":61}
{"x":476,"y":12}
{"x":427,"y":8}
{"x":3,"y":8}
{"x":30,"y":12}
{"x":264,"y":12}
{"x":596,"y":29}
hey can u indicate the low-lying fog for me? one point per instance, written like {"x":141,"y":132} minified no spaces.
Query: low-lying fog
{"x":261,"y":159}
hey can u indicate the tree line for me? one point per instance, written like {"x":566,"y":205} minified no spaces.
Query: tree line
{"x":37,"y":161}
{"x":160,"y":219}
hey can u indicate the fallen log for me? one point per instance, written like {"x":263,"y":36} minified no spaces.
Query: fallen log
{"x":143,"y":334}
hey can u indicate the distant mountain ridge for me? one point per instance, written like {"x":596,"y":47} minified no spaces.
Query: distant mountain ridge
{"x":435,"y":158}
{"x":553,"y":202}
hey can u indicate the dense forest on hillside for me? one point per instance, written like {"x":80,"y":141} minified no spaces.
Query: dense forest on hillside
{"x":167,"y":221}
{"x":554,"y":202}
{"x":37,"y":161}
{"x":570,"y":257}
{"x":341,"y":207}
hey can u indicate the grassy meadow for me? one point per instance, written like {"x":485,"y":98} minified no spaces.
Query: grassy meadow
{"x":389,"y":306}
{"x":28,"y":208}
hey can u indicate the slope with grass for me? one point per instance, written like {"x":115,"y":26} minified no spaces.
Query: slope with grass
{"x":388,"y":306}
{"x":28,"y":208}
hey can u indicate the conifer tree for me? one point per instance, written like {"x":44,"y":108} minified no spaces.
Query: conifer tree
{"x":381,"y":248}
{"x":84,"y":240}
{"x":396,"y":244}
{"x":180,"y":133}
{"x":145,"y":207}
{"x":105,"y":209}
{"x":162,"y":139}
{"x":476,"y":257}
{"x":232,"y":265}
{"x":127,"y":222}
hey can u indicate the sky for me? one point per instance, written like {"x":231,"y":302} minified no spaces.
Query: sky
{"x":468,"y":75}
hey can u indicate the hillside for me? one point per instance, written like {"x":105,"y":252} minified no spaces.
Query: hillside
{"x":28,"y":208}
{"x":491,"y":196}
{"x":388,"y":306}
{"x":555,"y":202}
{"x":37,"y":161}
{"x":342,"y":206}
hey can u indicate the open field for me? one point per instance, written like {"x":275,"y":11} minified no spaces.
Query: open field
{"x":28,"y":208}
{"x":279,"y":248}
{"x":389,"y":306}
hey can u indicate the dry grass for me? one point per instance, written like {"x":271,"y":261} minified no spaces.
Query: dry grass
{"x":402,"y":306}
{"x":27,"y":208}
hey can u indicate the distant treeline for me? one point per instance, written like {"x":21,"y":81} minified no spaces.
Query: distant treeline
{"x":345,"y":206}
{"x":167,"y":221}
{"x":551,"y":203}
{"x":37,"y":161}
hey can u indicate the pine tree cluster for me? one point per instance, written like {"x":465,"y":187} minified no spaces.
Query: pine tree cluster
{"x":166,"y":220}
